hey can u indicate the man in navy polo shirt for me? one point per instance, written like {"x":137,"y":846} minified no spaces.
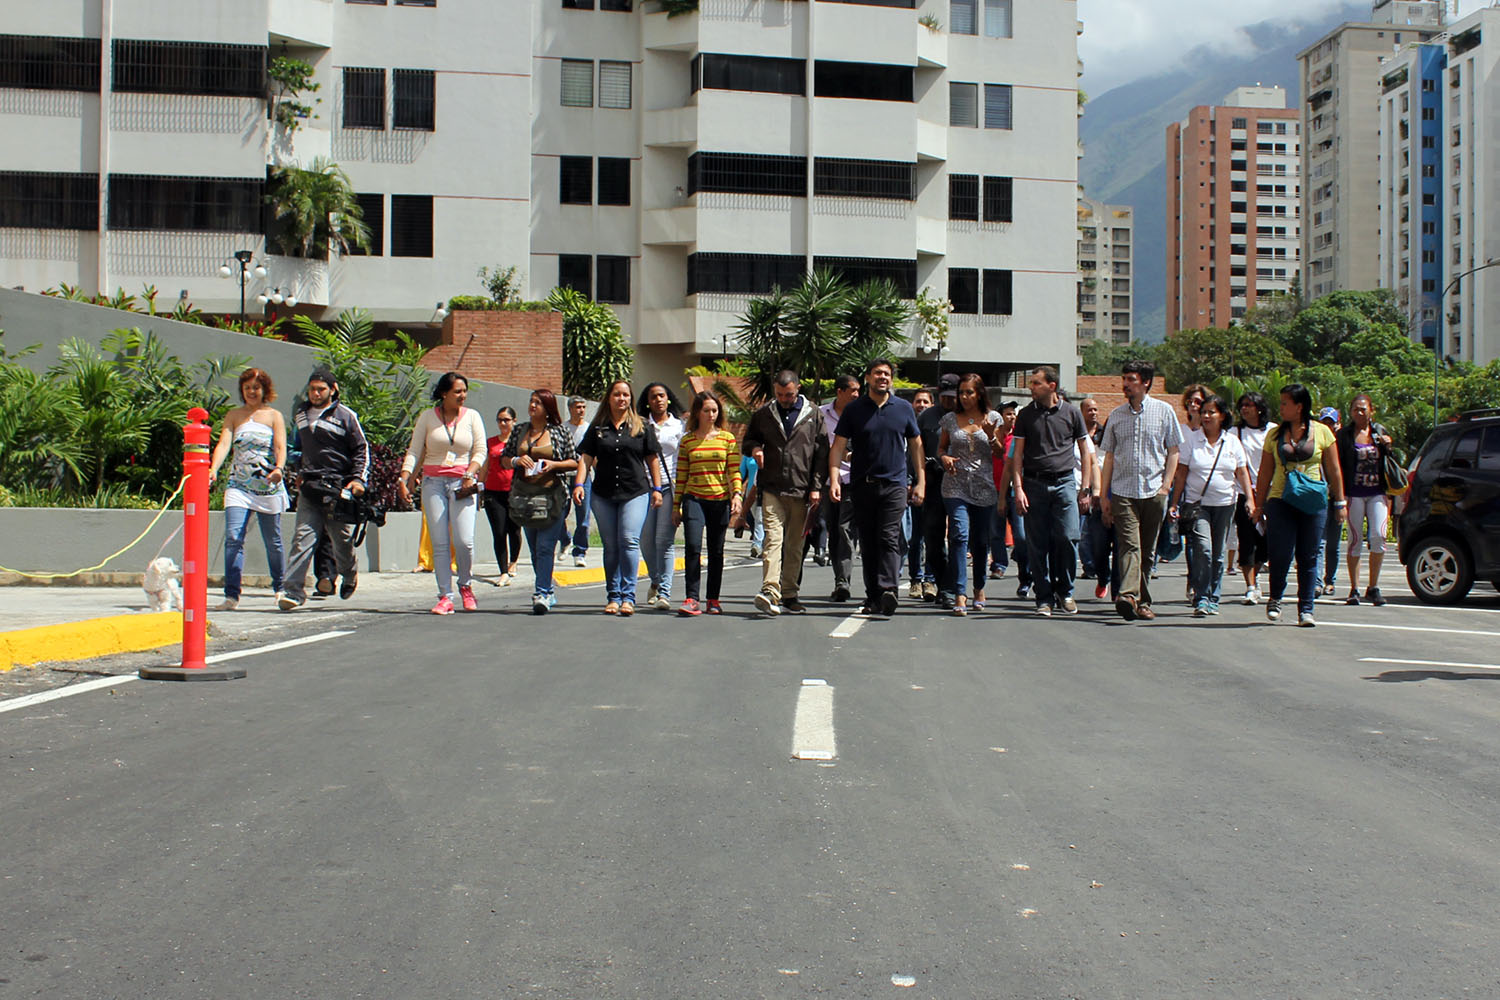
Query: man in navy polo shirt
{"x":876,"y":431}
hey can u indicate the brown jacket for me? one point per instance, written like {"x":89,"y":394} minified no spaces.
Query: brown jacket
{"x":790,"y":466}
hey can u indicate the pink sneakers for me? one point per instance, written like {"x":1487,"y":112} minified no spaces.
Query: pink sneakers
{"x":444,"y":606}
{"x":467,"y":595}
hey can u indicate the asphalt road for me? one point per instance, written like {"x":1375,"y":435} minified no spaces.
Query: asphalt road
{"x":578,"y":806}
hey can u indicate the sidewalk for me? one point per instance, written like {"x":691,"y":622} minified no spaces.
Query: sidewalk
{"x":60,"y":623}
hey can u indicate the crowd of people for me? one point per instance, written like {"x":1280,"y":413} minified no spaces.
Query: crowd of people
{"x":943,"y":486}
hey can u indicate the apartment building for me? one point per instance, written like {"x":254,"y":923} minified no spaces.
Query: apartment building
{"x":672,"y":166}
{"x":1233,"y":207}
{"x":1106,"y":238}
{"x":1439,"y":179}
{"x":1341,"y":98}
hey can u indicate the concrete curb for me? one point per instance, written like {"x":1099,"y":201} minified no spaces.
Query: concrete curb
{"x":88,"y":639}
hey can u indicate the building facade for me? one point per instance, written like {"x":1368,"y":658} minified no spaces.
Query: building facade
{"x":1341,"y":91}
{"x":671,"y":166}
{"x":1233,"y":208}
{"x":1106,"y":239}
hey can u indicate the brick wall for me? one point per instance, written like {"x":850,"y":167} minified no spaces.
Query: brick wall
{"x":515,"y":348}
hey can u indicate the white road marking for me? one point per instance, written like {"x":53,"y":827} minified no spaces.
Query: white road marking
{"x":1430,"y":663}
{"x":848,"y":627}
{"x":26,"y":701}
{"x":812,"y":727}
{"x":1407,"y":628}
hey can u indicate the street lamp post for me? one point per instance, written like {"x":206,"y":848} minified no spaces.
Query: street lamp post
{"x":242,"y":258}
{"x":1437,"y":344}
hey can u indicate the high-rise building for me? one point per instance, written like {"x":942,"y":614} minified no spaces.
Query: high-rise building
{"x":1341,"y":87}
{"x":672,"y":163}
{"x":1439,"y":181}
{"x":1233,"y":207}
{"x":1106,"y":241}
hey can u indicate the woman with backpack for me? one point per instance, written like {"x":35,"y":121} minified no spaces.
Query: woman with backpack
{"x":1363,"y":448}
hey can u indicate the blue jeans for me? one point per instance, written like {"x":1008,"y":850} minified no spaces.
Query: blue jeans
{"x":1205,"y":531}
{"x":620,"y":527}
{"x":1021,"y":554}
{"x":543,"y":544}
{"x":968,"y":542}
{"x":1052,"y":536}
{"x":912,"y":524}
{"x":1328,"y":555}
{"x":236,"y":524}
{"x":700,"y":517}
{"x":581,"y":516}
{"x":658,"y":545}
{"x":1289,"y":532}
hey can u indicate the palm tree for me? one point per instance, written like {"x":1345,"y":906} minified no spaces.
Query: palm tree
{"x":321,"y":213}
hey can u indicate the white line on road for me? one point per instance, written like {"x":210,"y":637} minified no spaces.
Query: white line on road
{"x":1408,"y":628}
{"x":26,"y":701}
{"x":1430,"y":663}
{"x":812,"y":727}
{"x":848,"y":627}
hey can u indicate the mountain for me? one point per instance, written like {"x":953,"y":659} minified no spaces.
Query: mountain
{"x":1124,"y":135}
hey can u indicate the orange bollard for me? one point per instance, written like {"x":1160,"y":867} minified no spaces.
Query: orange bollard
{"x":196,"y":435}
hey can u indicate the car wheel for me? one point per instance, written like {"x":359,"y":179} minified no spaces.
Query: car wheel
{"x":1440,"y":571}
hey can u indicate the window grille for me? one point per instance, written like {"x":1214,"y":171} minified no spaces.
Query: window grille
{"x":199,"y":68}
{"x":372,"y":212}
{"x":364,"y":98}
{"x":998,"y":199}
{"x":49,"y":201}
{"x":865,"y":178}
{"x":577,"y":83}
{"x":743,"y":273}
{"x":33,"y":62}
{"x":411,"y":225}
{"x":578,"y":4}
{"x":414,"y":104}
{"x":997,"y":105}
{"x":963,"y":105}
{"x":574,"y":271}
{"x":614,"y":84}
{"x":416,"y":3}
{"x":761,"y":74}
{"x":963,"y":290}
{"x":614,"y":279}
{"x":961,"y":17}
{"x":858,"y":270}
{"x":622,"y":6}
{"x":748,"y":173}
{"x":997,"y":300}
{"x":997,"y":18}
{"x":575,"y":180}
{"x":963,"y":197}
{"x":186,"y":204}
{"x":862,"y":81}
{"x":614,"y":180}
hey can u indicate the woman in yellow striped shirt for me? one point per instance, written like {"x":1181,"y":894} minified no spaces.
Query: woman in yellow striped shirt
{"x":707,"y":496}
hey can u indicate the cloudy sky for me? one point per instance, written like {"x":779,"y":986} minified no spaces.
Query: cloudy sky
{"x":1127,"y":39}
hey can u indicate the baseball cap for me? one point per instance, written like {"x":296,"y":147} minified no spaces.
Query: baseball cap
{"x":1329,"y":413}
{"x":948,"y":385}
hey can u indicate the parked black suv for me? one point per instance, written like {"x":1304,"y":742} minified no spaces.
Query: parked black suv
{"x":1448,"y":520}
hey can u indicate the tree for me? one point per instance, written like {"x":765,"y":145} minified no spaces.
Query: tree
{"x":1315,"y":332}
{"x":1383,"y":350}
{"x":1209,"y":356}
{"x":1103,"y":357}
{"x":317,"y":211}
{"x":595,"y":352}
{"x":112,"y":422}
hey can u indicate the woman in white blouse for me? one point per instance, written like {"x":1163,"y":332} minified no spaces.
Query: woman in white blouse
{"x":448,"y":445}
{"x":1212,"y":468}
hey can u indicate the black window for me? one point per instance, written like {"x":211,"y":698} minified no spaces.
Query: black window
{"x":963,"y":197}
{"x":763,"y":74}
{"x":411,"y":225}
{"x":373,"y":3}
{"x":614,"y":279}
{"x":416,"y":3}
{"x":864,"y":81}
{"x":963,"y":289}
{"x":364,"y":98}
{"x":151,"y":67}
{"x":743,"y":273}
{"x":997,"y":113}
{"x":414,"y":101}
{"x":747,"y":173}
{"x":998,"y":199}
{"x":49,"y":201}
{"x":38,"y":62}
{"x":574,"y":270}
{"x":187,"y":204}
{"x":575,"y":180}
{"x":1466,"y":451}
{"x":578,"y":4}
{"x":865,"y":178}
{"x":372,"y":210}
{"x":614,"y":180}
{"x":623,"y":6}
{"x":996,"y":293}
{"x":858,"y":270}
{"x":907,"y":4}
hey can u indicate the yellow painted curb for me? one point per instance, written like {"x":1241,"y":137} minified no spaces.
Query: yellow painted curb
{"x":574,"y":577}
{"x":87,"y":639}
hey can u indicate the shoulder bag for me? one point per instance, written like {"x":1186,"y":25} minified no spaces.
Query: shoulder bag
{"x":1302,"y":491}
{"x":533,"y":505}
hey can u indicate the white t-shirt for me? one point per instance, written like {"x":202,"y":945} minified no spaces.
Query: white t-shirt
{"x":669,"y":435}
{"x":1198,"y":456}
{"x":1254,"y":443}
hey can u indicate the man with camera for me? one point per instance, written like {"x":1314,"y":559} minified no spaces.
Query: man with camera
{"x":335,"y":466}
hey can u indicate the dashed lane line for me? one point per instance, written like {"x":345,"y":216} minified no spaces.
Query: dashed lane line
{"x":812,"y":726}
{"x":1430,"y":663}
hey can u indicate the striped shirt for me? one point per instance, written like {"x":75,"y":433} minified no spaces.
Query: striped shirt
{"x":707,"y":467}
{"x":1139,"y":441}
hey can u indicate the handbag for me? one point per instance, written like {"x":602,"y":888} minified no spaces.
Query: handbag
{"x":1302,"y":491}
{"x":1395,"y":477}
{"x":533,"y":506}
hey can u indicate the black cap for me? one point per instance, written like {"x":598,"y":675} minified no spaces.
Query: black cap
{"x":948,"y":384}
{"x":323,"y":375}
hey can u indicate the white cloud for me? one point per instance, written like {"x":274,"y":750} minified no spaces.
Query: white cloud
{"x":1124,"y":40}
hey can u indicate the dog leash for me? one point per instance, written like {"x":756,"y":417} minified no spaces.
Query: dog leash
{"x":89,"y":569}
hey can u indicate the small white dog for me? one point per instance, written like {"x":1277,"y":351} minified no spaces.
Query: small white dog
{"x":160,"y":584}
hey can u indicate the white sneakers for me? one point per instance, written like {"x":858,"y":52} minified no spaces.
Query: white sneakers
{"x":230,"y":603}
{"x":1252,"y":596}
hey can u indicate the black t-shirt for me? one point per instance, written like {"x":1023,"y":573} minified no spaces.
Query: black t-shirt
{"x":1051,"y":435}
{"x":620,"y":472}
